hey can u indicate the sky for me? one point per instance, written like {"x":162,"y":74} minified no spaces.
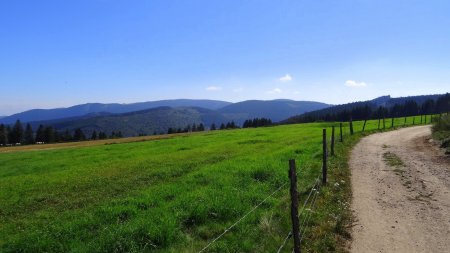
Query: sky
{"x":62,"y":53}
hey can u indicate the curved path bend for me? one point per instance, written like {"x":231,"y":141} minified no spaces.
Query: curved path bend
{"x":403,"y":207}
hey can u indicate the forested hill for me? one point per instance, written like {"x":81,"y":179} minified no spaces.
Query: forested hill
{"x":84,"y":109}
{"x":380,"y":107}
{"x":275,"y":110}
{"x":146,"y":122}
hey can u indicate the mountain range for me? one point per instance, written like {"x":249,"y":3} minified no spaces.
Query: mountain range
{"x":85,"y":109}
{"x":158,"y":116}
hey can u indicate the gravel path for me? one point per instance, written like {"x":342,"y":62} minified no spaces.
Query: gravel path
{"x":400,"y":205}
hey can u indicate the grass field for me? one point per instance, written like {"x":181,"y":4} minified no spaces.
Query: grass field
{"x":173,"y":195}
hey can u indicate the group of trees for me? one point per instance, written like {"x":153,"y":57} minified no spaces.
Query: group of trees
{"x":17,"y":134}
{"x":362,"y":111}
{"x":200,"y":127}
{"x":257,"y":122}
{"x":194,"y":128}
{"x":228,"y":125}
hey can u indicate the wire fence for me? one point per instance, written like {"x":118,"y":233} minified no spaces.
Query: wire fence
{"x":242,"y":218}
{"x":309,"y":204}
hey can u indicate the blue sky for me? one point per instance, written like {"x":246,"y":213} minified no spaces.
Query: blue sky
{"x":60,"y":53}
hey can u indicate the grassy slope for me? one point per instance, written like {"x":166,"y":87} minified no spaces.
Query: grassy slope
{"x":172,"y":195}
{"x":441,"y":131}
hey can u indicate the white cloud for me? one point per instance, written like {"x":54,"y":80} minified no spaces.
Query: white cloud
{"x":274,"y":91}
{"x":213,"y":88}
{"x":355,"y":84}
{"x":238,"y":90}
{"x":286,"y":78}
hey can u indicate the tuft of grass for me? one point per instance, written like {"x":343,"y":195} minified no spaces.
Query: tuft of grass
{"x":393,"y":160}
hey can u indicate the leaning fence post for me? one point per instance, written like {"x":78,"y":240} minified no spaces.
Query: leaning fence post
{"x":324,"y":162}
{"x":340,"y":131}
{"x":404,"y":123}
{"x":294,"y":206}
{"x":364,"y":126}
{"x":332,"y":140}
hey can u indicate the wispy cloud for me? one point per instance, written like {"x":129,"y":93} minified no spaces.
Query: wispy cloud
{"x":355,"y":84}
{"x":213,"y":88}
{"x":286,"y":78}
{"x":238,"y":90}
{"x":274,"y":91}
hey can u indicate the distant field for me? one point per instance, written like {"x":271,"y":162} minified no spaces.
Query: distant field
{"x":168,"y":195}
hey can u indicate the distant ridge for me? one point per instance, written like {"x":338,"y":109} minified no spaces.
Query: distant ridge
{"x":275,"y":110}
{"x":160,"y":119}
{"x":84,"y":109}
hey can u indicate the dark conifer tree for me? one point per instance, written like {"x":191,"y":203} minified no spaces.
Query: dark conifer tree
{"x":3,"y":135}
{"x":102,"y":135}
{"x":66,"y":136}
{"x":94,"y":135}
{"x":222,"y":126}
{"x":213,"y":127}
{"x":79,"y":135}
{"x":16,"y":135}
{"x":40,"y":134}
{"x":49,"y":135}
{"x":28,"y":138}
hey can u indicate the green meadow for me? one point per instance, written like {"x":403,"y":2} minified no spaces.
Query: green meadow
{"x":176,"y":194}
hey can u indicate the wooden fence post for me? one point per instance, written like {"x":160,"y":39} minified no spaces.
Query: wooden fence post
{"x":294,"y":206}
{"x":364,"y":126}
{"x":414,"y":120}
{"x":404,"y":123}
{"x":340,"y":131}
{"x":379,"y":123}
{"x":351,"y":126}
{"x":421,"y":119}
{"x":324,"y":162}
{"x":332,"y":140}
{"x":392,"y":123}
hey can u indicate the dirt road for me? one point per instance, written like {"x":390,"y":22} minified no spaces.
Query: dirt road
{"x":401,"y":193}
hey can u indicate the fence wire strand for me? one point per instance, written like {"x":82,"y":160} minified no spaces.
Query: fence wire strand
{"x":242,"y":218}
{"x":284,"y":242}
{"x":317,"y":181}
{"x":313,"y":204}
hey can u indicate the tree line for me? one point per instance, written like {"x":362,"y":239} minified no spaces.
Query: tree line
{"x":365,"y":111}
{"x":18,"y":135}
{"x":257,"y":122}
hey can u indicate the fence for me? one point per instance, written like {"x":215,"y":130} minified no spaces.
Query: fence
{"x":299,"y":227}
